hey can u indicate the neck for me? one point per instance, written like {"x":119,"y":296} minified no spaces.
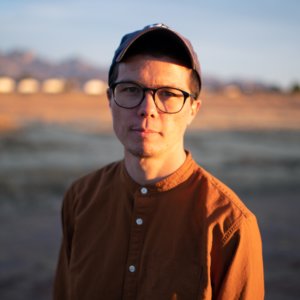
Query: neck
{"x":147,"y":170}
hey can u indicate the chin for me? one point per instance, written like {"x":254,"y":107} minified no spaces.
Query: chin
{"x":143,"y":152}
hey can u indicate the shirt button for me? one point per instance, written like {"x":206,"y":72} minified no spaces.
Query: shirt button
{"x":139,"y":221}
{"x":132,"y":268}
{"x":144,"y":190}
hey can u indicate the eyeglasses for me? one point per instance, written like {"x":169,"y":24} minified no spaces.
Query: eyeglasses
{"x":128,"y":94}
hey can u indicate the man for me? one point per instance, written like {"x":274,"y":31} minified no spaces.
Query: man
{"x":156,"y":225}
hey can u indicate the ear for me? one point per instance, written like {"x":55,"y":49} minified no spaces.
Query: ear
{"x":109,"y":96}
{"x":195,"y":107}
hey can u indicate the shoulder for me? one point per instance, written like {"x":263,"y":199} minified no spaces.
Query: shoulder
{"x":87,"y":187}
{"x":225,"y":212}
{"x":97,"y":177}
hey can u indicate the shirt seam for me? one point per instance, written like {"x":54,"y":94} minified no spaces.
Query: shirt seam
{"x":228,"y":197}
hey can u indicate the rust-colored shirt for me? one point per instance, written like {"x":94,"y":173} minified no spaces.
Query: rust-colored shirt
{"x":185,"y":237}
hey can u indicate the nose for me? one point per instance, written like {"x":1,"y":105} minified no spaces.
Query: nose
{"x":148,"y":108}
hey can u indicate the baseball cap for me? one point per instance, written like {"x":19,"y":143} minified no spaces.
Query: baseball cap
{"x":166,"y":37}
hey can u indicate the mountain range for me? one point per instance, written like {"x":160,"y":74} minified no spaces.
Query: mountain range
{"x":20,"y":64}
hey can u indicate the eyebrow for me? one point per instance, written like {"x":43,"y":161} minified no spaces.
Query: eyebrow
{"x":146,"y":86}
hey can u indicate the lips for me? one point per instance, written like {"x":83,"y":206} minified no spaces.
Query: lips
{"x":146,"y":130}
{"x":143,"y":131}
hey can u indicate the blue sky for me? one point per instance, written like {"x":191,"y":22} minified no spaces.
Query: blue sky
{"x":256,"y":40}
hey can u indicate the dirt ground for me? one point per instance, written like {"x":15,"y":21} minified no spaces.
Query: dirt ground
{"x":253,"y":145}
{"x":218,"y":112}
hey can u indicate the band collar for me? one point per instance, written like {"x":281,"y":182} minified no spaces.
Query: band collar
{"x":173,"y":180}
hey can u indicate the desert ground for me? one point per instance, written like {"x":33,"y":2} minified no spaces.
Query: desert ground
{"x":251,"y":142}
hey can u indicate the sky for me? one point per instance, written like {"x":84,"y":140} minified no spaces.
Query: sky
{"x":253,"y":40}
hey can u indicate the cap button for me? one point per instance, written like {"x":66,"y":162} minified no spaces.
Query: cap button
{"x":162,"y":25}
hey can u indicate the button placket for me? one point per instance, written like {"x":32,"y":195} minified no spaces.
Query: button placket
{"x":136,"y":240}
{"x":131,"y":268}
{"x":139,"y":221}
{"x":144,"y":190}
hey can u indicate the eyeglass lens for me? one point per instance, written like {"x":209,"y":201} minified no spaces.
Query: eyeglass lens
{"x":130,"y":95}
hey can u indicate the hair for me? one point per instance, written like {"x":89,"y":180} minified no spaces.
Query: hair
{"x":153,"y":44}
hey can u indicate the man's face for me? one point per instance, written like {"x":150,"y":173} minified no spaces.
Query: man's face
{"x":145,"y":131}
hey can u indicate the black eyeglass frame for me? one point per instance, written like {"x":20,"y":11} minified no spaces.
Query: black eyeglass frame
{"x":154,"y":91}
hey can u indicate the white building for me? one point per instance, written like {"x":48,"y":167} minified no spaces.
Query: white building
{"x":28,"y":86}
{"x":7,"y":85}
{"x":54,"y":86}
{"x":95,"y":87}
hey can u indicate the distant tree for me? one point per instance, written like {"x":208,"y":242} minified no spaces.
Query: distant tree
{"x":275,"y":89}
{"x":295,"y":88}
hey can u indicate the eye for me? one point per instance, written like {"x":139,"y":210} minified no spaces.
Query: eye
{"x":127,"y":88}
{"x":130,"y":89}
{"x":167,"y":93}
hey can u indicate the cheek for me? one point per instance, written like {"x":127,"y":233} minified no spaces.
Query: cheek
{"x":120,"y":118}
{"x":116,"y":118}
{"x":117,"y":112}
{"x":176,"y":126}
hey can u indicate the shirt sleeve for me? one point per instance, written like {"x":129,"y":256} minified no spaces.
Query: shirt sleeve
{"x":237,"y":265}
{"x":62,"y":281}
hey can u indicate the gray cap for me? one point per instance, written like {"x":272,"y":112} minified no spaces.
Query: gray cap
{"x":150,"y":34}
